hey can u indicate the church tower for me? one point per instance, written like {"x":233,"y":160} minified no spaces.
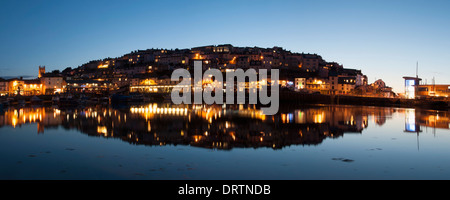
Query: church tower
{"x":41,"y":71}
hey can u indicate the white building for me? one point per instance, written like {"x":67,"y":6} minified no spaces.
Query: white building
{"x":52,"y":83}
{"x":300,"y":83}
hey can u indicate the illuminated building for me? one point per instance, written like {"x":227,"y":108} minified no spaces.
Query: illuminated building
{"x":300,"y":83}
{"x":344,"y":81}
{"x":4,"y":87}
{"x":411,"y":84}
{"x":222,"y":48}
{"x":52,"y":83}
{"x":434,"y":90}
{"x":153,"y":85}
{"x":87,"y":86}
{"x":15,"y":86}
{"x":25,"y":87}
{"x":32,"y":87}
{"x":318,"y":85}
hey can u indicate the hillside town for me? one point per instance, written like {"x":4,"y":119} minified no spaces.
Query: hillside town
{"x":149,"y":71}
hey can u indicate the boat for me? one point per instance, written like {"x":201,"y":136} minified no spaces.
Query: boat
{"x":104,"y":100}
{"x":84,"y":99}
{"x":68,"y":101}
{"x":55,"y":100}
{"x":120,"y":98}
{"x":35,"y":100}
{"x":21,"y":102}
{"x":137,"y":97}
{"x":4,"y":102}
{"x":167,"y":98}
{"x":148,"y":99}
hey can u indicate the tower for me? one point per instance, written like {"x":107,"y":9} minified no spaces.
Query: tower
{"x":41,"y":71}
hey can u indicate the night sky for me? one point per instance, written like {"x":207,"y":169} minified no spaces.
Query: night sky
{"x":385,"y":39}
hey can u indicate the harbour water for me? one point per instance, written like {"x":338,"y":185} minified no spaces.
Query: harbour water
{"x":192,"y":142}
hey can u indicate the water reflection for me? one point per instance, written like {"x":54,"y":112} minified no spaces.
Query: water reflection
{"x":220,"y":127}
{"x":415,"y":120}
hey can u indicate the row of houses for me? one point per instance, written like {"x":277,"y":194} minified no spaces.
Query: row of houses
{"x":51,"y":83}
{"x":45,"y":84}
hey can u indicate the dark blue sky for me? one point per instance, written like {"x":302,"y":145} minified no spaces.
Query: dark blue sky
{"x":384,"y":39}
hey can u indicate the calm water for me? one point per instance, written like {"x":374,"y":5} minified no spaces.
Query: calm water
{"x":159,"y":141}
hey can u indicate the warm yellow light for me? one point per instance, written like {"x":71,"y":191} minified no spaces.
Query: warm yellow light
{"x":101,"y":66}
{"x":233,"y":135}
{"x":319,"y":118}
{"x":233,"y":61}
{"x":14,"y":122}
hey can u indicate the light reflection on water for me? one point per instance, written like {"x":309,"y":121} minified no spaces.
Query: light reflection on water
{"x":163,"y":141}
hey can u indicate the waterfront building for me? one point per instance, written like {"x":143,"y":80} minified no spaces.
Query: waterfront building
{"x":32,"y":87}
{"x":344,"y":81}
{"x":52,"y":83}
{"x":299,"y":84}
{"x":318,"y":85}
{"x":152,"y":84}
{"x":87,"y":86}
{"x":433,"y":90}
{"x":15,"y":86}
{"x":346,"y":84}
{"x":342,"y":84}
{"x":4,"y":87}
{"x":19,"y":86}
{"x":411,"y":84}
